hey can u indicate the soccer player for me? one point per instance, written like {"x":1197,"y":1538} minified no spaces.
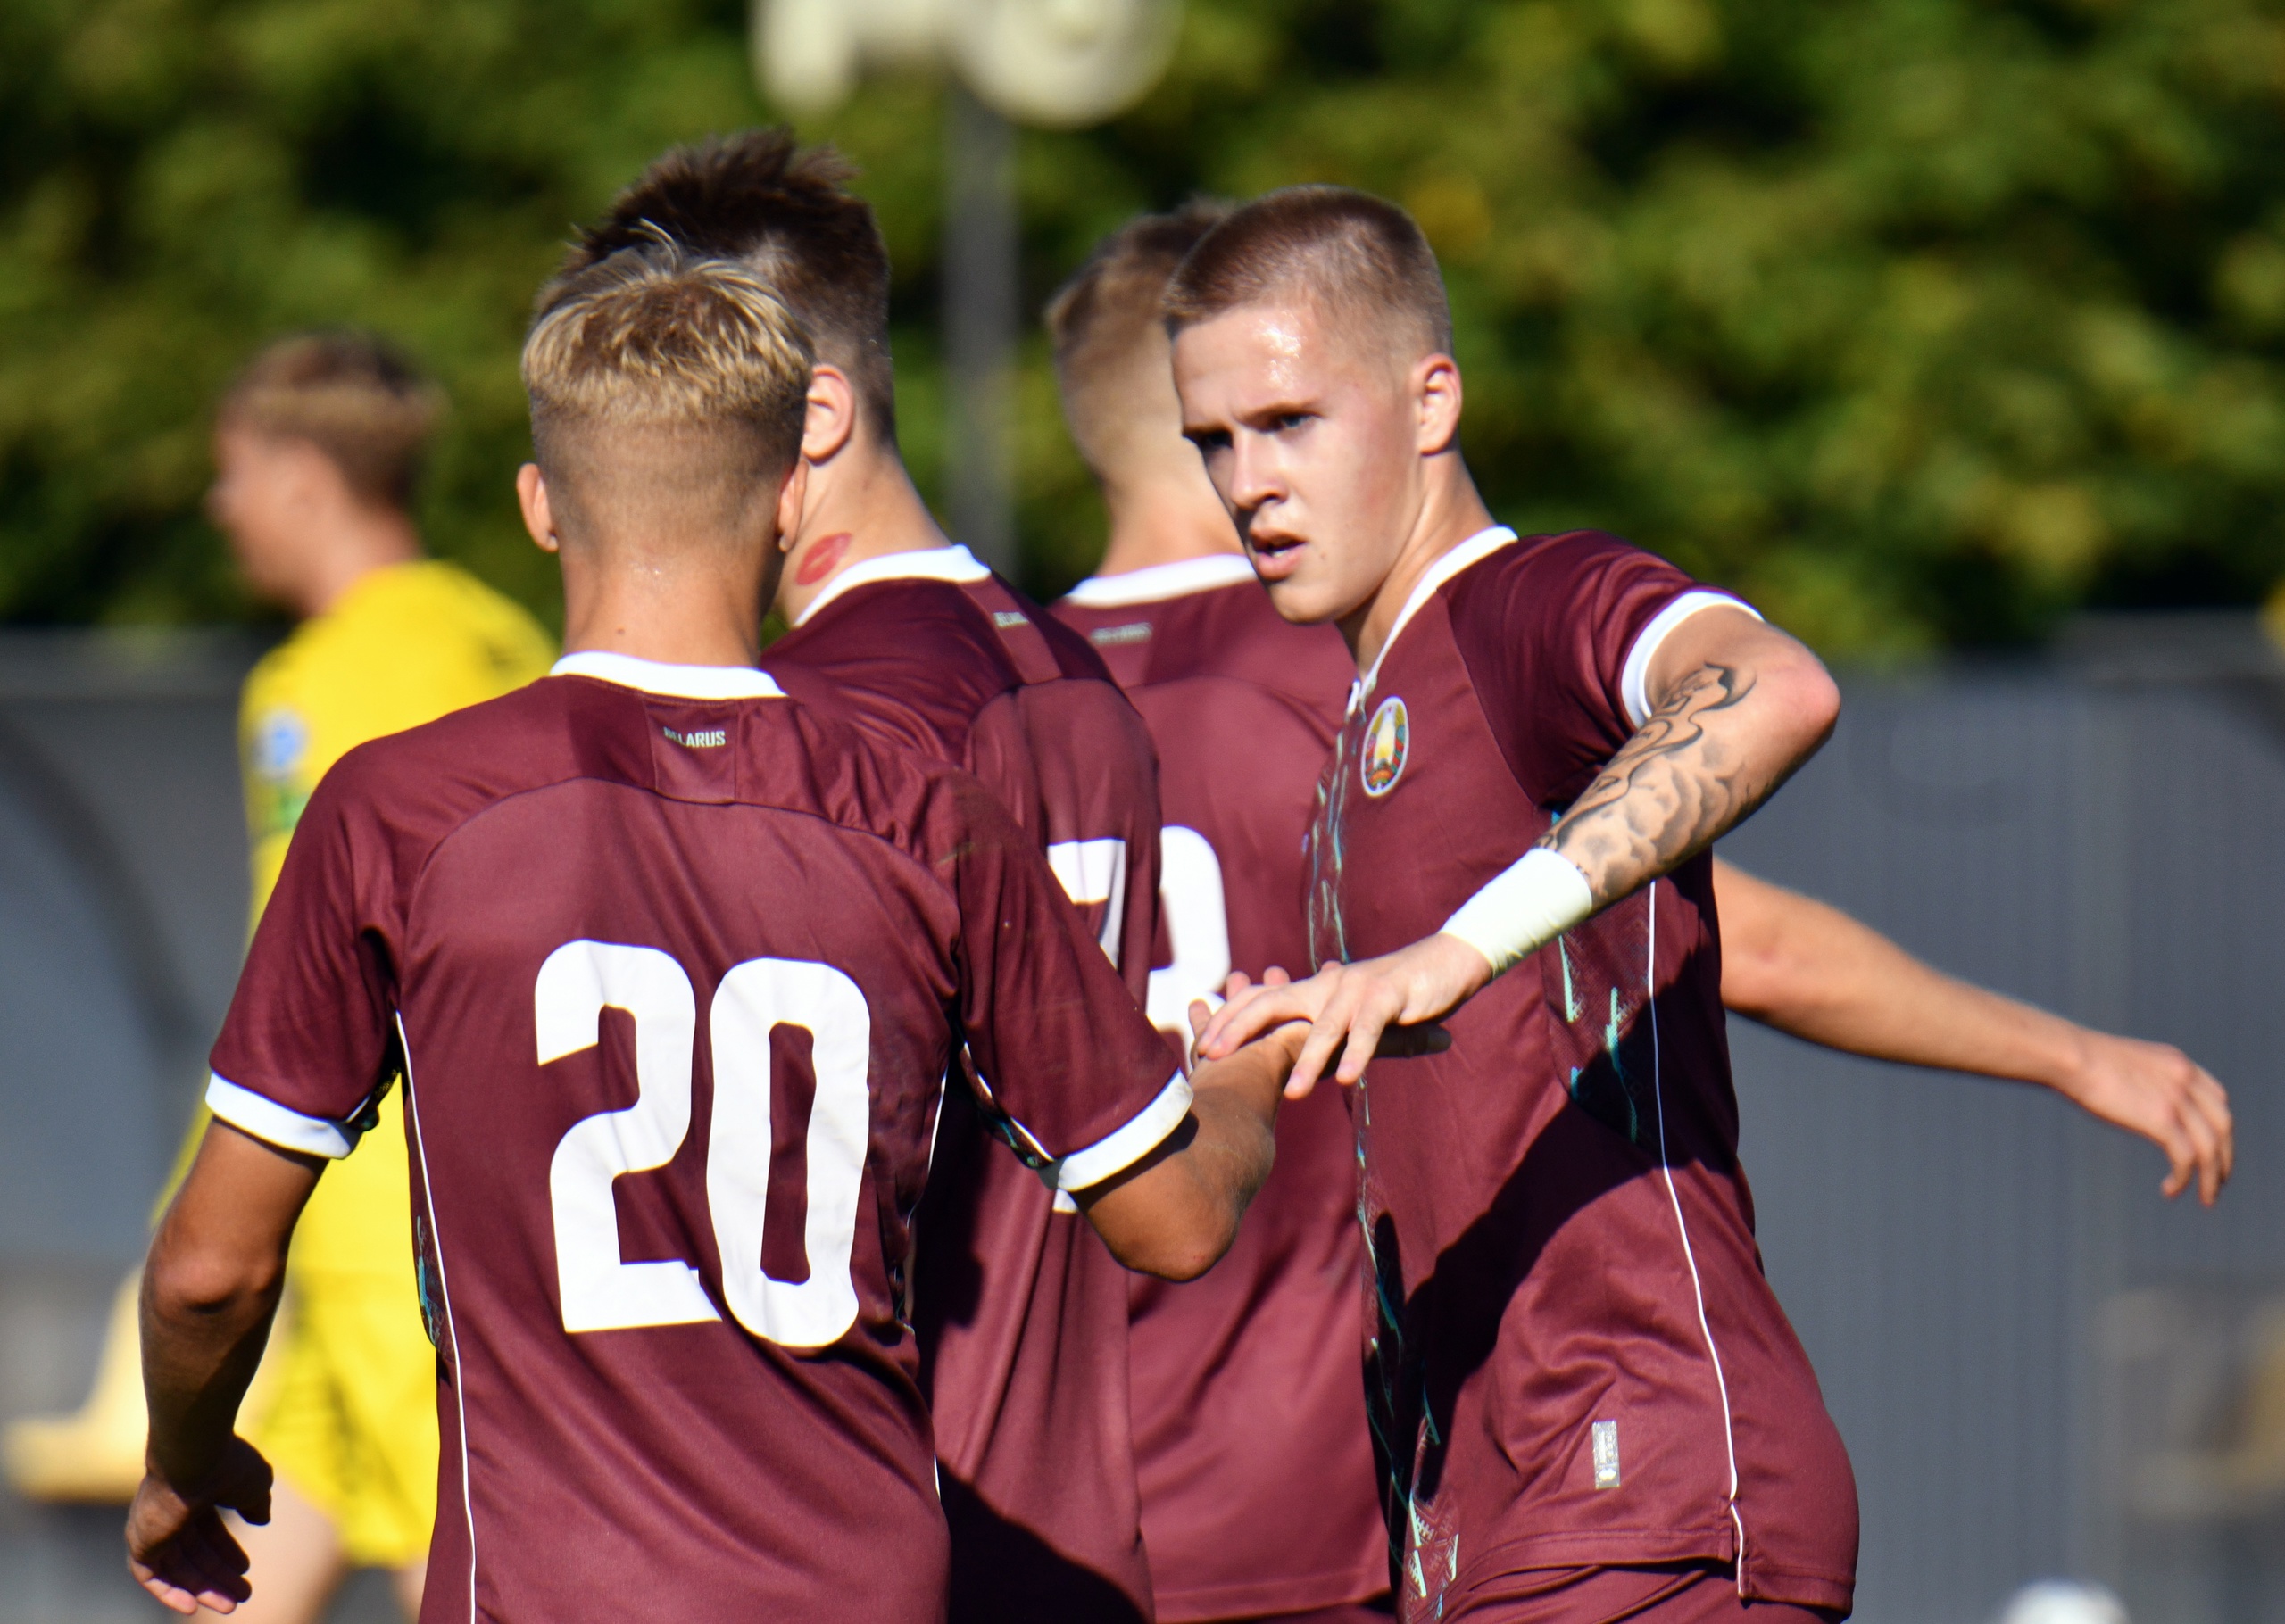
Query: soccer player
{"x":1254,"y":1462}
{"x":1586,"y":1400}
{"x":1255,"y":1466}
{"x":318,"y":447}
{"x":673,"y":968}
{"x":1021,"y":1313}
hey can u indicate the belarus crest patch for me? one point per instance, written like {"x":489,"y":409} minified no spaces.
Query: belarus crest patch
{"x":1387,"y":743}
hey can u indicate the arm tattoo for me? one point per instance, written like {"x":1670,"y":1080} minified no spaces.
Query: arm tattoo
{"x":1679,"y":782}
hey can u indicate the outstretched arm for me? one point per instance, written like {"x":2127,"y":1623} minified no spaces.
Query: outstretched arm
{"x":1812,"y":971}
{"x":1176,"y":1211}
{"x":209,"y":1290}
{"x":1737,"y":706}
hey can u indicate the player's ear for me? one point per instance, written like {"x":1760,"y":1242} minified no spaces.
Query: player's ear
{"x":832,"y":416}
{"x":531,"y":495}
{"x":793,"y":498}
{"x":1436,"y":389}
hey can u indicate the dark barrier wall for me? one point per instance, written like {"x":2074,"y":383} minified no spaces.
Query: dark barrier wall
{"x":2023,"y":1345}
{"x":122,"y":918}
{"x":2041,"y":1369}
{"x":123,"y":888}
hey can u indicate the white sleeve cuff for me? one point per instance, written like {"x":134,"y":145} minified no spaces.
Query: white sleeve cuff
{"x":1121,"y":1148}
{"x":1634,"y":676}
{"x":1523,"y":908}
{"x":272,"y":1123}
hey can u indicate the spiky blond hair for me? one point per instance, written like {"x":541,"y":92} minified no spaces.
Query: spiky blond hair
{"x":656,"y":336}
{"x":657,"y":377}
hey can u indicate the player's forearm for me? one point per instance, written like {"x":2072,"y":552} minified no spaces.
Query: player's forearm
{"x":1177,"y":1213}
{"x":1726,"y":734}
{"x":205,"y":1323}
{"x":1237,"y":1139}
{"x":210,"y":1289}
{"x":1811,"y":971}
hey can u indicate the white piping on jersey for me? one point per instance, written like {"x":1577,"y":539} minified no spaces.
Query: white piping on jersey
{"x":1633,"y":682}
{"x":1156,"y":583}
{"x":445,"y":1293}
{"x":669,"y":682}
{"x":280,"y":1125}
{"x":952,"y":562}
{"x":1696,"y":1287}
{"x":1634,"y":676}
{"x":1477,"y":548}
{"x":1126,"y":1145}
{"x":911,"y":1264}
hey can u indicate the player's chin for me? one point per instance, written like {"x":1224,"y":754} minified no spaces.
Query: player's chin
{"x":1296,"y":595}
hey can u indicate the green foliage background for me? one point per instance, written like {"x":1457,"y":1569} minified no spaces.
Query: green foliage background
{"x":1924,"y":321}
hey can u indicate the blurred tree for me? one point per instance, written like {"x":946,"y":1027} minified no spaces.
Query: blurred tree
{"x":184,"y":179}
{"x":1922,"y":322}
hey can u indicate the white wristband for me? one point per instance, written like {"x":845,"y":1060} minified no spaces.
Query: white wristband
{"x":1523,"y":908}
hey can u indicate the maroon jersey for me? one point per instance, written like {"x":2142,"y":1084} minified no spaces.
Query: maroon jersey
{"x":1021,"y":1311}
{"x":1577,"y":1360}
{"x":1250,"y":1437}
{"x":674,"y":968}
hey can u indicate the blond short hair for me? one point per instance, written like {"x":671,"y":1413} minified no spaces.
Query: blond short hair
{"x":1107,"y":325}
{"x":351,"y":397}
{"x":657,"y":338}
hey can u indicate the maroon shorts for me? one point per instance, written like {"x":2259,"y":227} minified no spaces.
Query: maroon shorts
{"x":1637,"y":1595}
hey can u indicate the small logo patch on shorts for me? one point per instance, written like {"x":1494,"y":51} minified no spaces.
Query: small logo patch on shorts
{"x":1387,"y":743}
{"x":1606,"y":1453}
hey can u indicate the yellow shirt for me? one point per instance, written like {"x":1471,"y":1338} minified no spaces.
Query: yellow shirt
{"x":403,"y":646}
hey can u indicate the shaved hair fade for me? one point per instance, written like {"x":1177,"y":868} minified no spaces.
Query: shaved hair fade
{"x":787,"y":211}
{"x":658,"y":377}
{"x":353,"y":397}
{"x":1354,"y":254}
{"x":1108,"y":324}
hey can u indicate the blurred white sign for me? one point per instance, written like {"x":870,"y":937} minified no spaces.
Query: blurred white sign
{"x":1057,"y":63}
{"x":2061,"y":1601}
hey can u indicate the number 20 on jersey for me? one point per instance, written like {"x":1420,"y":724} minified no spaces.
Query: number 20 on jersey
{"x":601,"y":1292}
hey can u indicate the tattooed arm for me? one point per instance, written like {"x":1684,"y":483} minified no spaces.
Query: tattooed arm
{"x":1737,"y":706}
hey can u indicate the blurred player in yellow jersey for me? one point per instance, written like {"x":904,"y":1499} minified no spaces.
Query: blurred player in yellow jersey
{"x":318,"y":446}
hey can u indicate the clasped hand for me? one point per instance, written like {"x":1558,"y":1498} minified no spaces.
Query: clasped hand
{"x":1385,"y":1007}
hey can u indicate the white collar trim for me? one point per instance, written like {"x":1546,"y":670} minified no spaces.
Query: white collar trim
{"x":948,"y":563}
{"x":1156,"y":583}
{"x":669,"y":682}
{"x":1470,"y":553}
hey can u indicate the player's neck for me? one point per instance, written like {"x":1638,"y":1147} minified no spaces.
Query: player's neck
{"x":861,"y":505}
{"x":1451,"y":511}
{"x":1151,"y":524}
{"x":358,"y":541}
{"x":692,"y":611}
